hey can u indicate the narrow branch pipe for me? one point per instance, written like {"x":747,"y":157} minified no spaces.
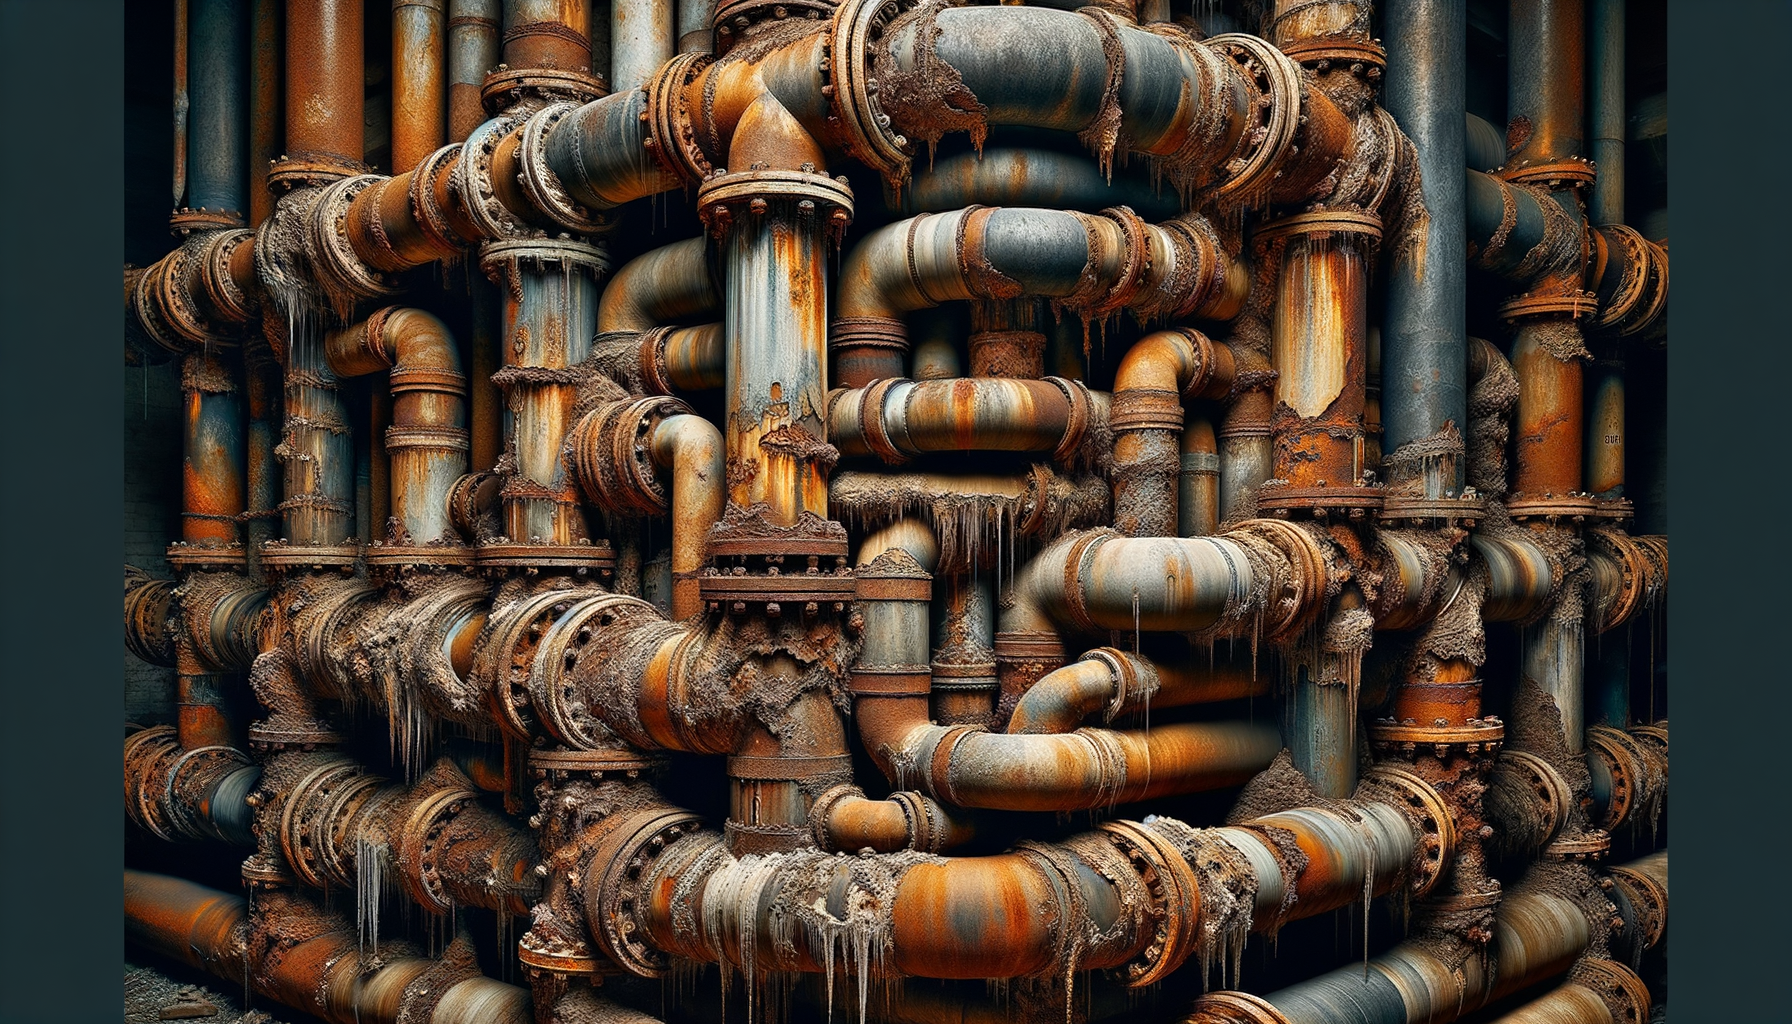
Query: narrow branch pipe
{"x":1605,"y":22}
{"x":691,"y":449}
{"x":182,"y":100}
{"x":267,"y":129}
{"x":1118,"y":683}
{"x":1424,"y":354}
{"x":419,"y":81}
{"x":1160,"y":372}
{"x":322,"y":973}
{"x":1198,"y":480}
{"x":899,"y":419}
{"x":215,"y":459}
{"x":1485,"y":149}
{"x":428,"y":439}
{"x":1246,"y":441}
{"x":472,"y":52}
{"x":694,"y":32}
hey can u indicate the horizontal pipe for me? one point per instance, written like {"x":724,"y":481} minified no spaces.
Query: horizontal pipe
{"x":899,"y":419}
{"x":661,"y":286}
{"x":1117,"y":683}
{"x":1031,"y":177}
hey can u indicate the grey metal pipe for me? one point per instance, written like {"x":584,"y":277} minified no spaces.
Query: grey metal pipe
{"x":472,"y":52}
{"x":898,"y":419}
{"x":1605,"y":114}
{"x":1118,"y":683}
{"x":419,"y":81}
{"x":598,"y":152}
{"x":218,"y":118}
{"x":641,"y":39}
{"x":1485,"y":148}
{"x":1031,"y":177}
{"x":694,"y":33}
{"x":1424,"y":353}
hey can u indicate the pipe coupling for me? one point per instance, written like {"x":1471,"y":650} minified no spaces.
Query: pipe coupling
{"x":1430,"y":815}
{"x":151,"y":617}
{"x":612,"y":455}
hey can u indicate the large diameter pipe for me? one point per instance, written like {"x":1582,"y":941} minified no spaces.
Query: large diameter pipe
{"x":1319,"y":348}
{"x":1545,"y":71}
{"x":899,"y":419}
{"x":419,"y":111}
{"x":1546,"y":444}
{"x":1031,"y":177}
{"x":661,"y":286}
{"x":1424,"y":342}
{"x":217,"y":166}
{"x":324,"y":87}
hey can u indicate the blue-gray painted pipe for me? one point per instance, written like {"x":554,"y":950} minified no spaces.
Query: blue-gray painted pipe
{"x":1605,"y":109}
{"x":1424,"y":339}
{"x":218,"y":118}
{"x":1486,"y":149}
{"x":1032,"y":177}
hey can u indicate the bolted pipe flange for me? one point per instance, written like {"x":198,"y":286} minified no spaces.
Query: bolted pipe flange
{"x":151,"y":617}
{"x":671,"y":137}
{"x":1648,"y":901}
{"x":733,"y":19}
{"x":1234,"y":1008}
{"x":1635,"y":574}
{"x":727,"y":199}
{"x":223,"y":295}
{"x":504,"y":259}
{"x":619,"y":874}
{"x":1627,"y":764}
{"x":304,"y":817}
{"x":1302,"y":595}
{"x":612,"y":456}
{"x":508,"y":89}
{"x":146,"y":303}
{"x":471,"y":179}
{"x":1272,"y":76}
{"x":418,"y":845}
{"x":426,"y":205}
{"x":559,"y":709}
{"x":541,"y":183}
{"x":1524,"y":789}
{"x":1625,"y":995}
{"x":1174,"y":913}
{"x":849,"y":73}
{"x":336,"y":268}
{"x":187,"y":221}
{"x":1555,"y":175}
{"x":149,"y":755}
{"x":506,"y":654}
{"x":339,"y":820}
{"x":1406,"y":790}
{"x":311,"y":170}
{"x":1585,"y":847}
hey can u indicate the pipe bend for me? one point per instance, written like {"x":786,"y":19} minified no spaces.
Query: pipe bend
{"x":1120,"y":683}
{"x":663,"y":286}
{"x":1181,"y":361}
{"x":848,"y":821}
{"x":692,"y":450}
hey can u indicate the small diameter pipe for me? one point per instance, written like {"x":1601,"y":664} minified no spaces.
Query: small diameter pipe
{"x":547,"y":34}
{"x":1160,"y":372}
{"x":694,"y":32}
{"x":472,"y":53}
{"x":1116,"y":683}
{"x":322,"y":974}
{"x":1486,"y":146}
{"x":1198,"y":481}
{"x":1605,"y":118}
{"x":642,"y":37}
{"x":899,"y":419}
{"x":684,"y":476}
{"x":419,"y":109}
{"x":182,"y":100}
{"x":214,"y":456}
{"x":266,"y":114}
{"x":1424,"y":354}
{"x":427,"y":441}
{"x":1604,"y":446}
{"x":1245,"y":438}
{"x":1086,"y":262}
{"x":218,"y":172}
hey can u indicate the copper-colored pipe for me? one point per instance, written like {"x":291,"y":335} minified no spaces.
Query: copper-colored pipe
{"x":898,"y":419}
{"x":1198,"y":481}
{"x":1157,"y":375}
{"x":320,"y":972}
{"x":547,"y":34}
{"x":181,"y":103}
{"x":419,"y":112}
{"x":428,"y":436}
{"x":1547,"y":441}
{"x":1118,"y":683}
{"x":266,"y":127}
{"x":851,"y":822}
{"x":214,"y":463}
{"x":472,"y":52}
{"x":661,"y":286}
{"x":324,"y":89}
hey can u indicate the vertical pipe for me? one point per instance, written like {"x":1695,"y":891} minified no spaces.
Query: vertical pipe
{"x":1605,"y":429}
{"x":1198,"y":510}
{"x":1605,"y":22}
{"x":181,"y":102}
{"x":485,"y":400}
{"x":547,"y":34}
{"x":319,"y":461}
{"x":262,"y":377}
{"x":217,"y":59}
{"x":419,"y":116}
{"x":1608,"y":697}
{"x":472,"y":52}
{"x":1553,"y":659}
{"x":694,"y":33}
{"x":1319,"y":344}
{"x":549,"y":319}
{"x":1424,"y":356}
{"x":324,"y":87}
{"x":1547,"y":443}
{"x":641,"y":39}
{"x":265,"y":120}
{"x":1546,"y":64}
{"x":214,"y":459}
{"x":1245,"y":451}
{"x":775,"y":328}
{"x":379,"y":460}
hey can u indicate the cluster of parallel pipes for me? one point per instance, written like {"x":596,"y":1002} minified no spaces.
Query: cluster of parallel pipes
{"x":822,"y":501}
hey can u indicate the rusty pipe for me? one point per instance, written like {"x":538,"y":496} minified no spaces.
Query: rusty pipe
{"x":1548,"y":356}
{"x":324,"y":89}
{"x":1092,"y":264}
{"x":1245,"y":437}
{"x":1545,"y":96}
{"x":1198,"y":480}
{"x":473,"y":29}
{"x":1605,"y":23}
{"x":182,"y":794}
{"x":428,"y":439}
{"x":650,"y":457}
{"x":215,"y":460}
{"x":320,"y":973}
{"x":266,"y":114}
{"x":419,"y":85}
{"x":662,"y":286}
{"x":547,"y":34}
{"x":182,"y":106}
{"x":846,"y":820}
{"x":898,"y":419}
{"x":1117,"y":683}
{"x":217,"y":153}
{"x":1519,"y":232}
{"x":1160,"y":372}
{"x":1569,"y":1003}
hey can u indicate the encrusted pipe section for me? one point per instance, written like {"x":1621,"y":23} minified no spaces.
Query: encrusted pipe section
{"x":897,"y":420}
{"x":1159,"y":373}
{"x":1116,"y":683}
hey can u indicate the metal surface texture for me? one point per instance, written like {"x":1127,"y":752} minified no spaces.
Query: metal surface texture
{"x":692,"y":533}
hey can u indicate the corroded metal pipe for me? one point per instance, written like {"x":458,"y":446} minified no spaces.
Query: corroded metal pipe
{"x":213,"y":487}
{"x":1031,"y":177}
{"x":427,"y":441}
{"x":1198,"y":481}
{"x":1160,"y":372}
{"x":324,"y":91}
{"x":473,"y":29}
{"x":419,"y":86}
{"x":217,"y":168}
{"x":1117,"y":683}
{"x":897,"y":419}
{"x":287,"y":948}
{"x":642,"y":37}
